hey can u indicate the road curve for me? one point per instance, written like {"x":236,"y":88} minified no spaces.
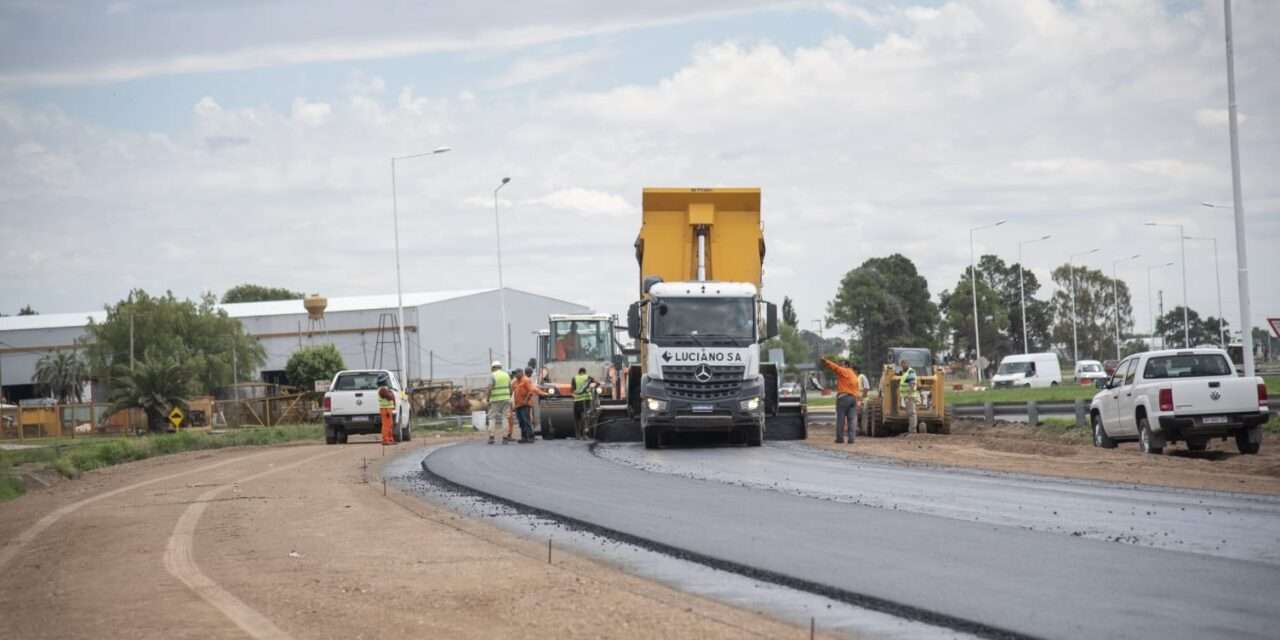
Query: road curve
{"x":978,"y":576}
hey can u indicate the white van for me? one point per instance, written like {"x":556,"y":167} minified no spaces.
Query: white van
{"x":1028,"y":370}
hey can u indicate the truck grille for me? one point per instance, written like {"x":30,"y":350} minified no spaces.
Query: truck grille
{"x":703,"y":381}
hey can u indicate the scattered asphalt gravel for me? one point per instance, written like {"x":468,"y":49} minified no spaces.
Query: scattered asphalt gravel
{"x":991,"y":579}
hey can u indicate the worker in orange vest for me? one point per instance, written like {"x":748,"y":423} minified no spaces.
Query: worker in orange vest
{"x":848,"y":395}
{"x":387,"y":407}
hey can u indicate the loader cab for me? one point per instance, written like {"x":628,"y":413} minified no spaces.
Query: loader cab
{"x":920,"y":359}
{"x":580,"y":338}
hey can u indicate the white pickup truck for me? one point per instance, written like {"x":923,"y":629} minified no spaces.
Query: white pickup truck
{"x":351,"y":405}
{"x":1191,"y":395}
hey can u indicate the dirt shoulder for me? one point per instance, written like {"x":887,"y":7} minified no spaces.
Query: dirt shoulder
{"x":302,"y":538}
{"x":1070,"y":453}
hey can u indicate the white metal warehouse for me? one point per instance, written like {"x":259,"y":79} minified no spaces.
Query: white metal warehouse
{"x":449,"y":334}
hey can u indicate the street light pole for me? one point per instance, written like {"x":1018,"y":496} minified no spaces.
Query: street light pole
{"x":502,"y":295}
{"x":395,"y":222}
{"x":1115,"y":295}
{"x":1242,"y":256}
{"x":973,"y":293}
{"x":1217,"y":276}
{"x":1022,"y":293}
{"x":1075,"y":335}
{"x":1151,"y":316}
{"x":1182,"y":241}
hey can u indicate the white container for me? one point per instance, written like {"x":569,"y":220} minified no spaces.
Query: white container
{"x":478,"y":421}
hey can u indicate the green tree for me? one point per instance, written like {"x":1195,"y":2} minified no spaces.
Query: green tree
{"x":957,"y":310}
{"x":789,"y":312}
{"x":1095,"y":311}
{"x":794,"y":349}
{"x":28,"y":311}
{"x":1203,"y":330}
{"x":258,"y":293}
{"x":63,"y":373}
{"x":884,"y":302}
{"x":308,"y":364}
{"x":199,"y":335}
{"x":156,"y":385}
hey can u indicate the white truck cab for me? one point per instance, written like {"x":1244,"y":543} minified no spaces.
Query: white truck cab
{"x":1189,"y":395}
{"x":1028,"y":370}
{"x":351,"y":405}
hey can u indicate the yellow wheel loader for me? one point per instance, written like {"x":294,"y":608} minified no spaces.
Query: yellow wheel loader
{"x":886,"y":414}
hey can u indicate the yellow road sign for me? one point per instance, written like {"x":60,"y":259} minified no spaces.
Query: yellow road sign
{"x":175,"y":417}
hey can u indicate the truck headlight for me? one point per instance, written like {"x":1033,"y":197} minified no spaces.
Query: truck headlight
{"x":656,"y":404}
{"x":750,"y":405}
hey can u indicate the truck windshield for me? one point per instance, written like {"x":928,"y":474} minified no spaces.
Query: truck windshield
{"x":1187,"y":366}
{"x":1014,"y":368}
{"x":580,"y":340}
{"x":705,"y":319}
{"x":362,"y":381}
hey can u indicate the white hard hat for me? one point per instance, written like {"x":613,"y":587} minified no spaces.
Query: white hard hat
{"x":496,"y":363}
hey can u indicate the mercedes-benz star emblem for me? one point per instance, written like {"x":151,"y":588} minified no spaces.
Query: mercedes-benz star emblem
{"x":1216,"y":395}
{"x":703,"y":374}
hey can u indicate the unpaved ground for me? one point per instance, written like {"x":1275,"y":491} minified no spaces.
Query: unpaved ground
{"x":293,"y":542}
{"x":1070,"y":453}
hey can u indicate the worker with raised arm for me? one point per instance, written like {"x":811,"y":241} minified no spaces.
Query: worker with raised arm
{"x":907,"y":392}
{"x":848,"y":393}
{"x":499,"y":398}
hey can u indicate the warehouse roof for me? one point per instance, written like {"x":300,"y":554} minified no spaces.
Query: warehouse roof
{"x":250,"y":309}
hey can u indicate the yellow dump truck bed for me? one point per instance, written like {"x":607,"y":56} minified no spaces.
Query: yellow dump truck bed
{"x":668,"y":244}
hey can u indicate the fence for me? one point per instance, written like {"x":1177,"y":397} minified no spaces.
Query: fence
{"x":266,"y":412}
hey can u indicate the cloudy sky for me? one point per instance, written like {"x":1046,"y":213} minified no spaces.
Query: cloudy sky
{"x":194,"y":146}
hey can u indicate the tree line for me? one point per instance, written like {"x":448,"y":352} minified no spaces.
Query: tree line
{"x":885,"y":302}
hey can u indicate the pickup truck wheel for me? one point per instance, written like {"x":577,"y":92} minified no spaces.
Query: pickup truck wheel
{"x":1243,"y":441}
{"x":652,"y":438}
{"x":1100,"y":437}
{"x":342,"y":437}
{"x":408,"y":434}
{"x":330,"y":437}
{"x":1147,"y":441}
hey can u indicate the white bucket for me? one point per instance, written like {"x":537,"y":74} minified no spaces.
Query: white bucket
{"x":478,"y":421}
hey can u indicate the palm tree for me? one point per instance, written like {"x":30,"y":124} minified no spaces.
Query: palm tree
{"x":64,"y":373}
{"x":155,"y":385}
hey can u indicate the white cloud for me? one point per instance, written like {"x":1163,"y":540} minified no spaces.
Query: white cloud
{"x":312,"y":114}
{"x":586,"y":202}
{"x":526,"y":70}
{"x":1215,"y":118}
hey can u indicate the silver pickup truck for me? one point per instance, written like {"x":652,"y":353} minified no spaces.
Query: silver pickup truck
{"x":351,"y":405}
{"x":1191,"y":395}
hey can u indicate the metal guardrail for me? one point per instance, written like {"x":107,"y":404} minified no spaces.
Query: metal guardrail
{"x":1033,"y":409}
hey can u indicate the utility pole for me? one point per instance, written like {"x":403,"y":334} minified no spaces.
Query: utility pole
{"x":431,"y":355}
{"x":131,"y":342}
{"x":1242,"y":254}
{"x":1161,"y":293}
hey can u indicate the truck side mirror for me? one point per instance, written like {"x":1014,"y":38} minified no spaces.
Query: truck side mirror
{"x":633,"y":321}
{"x":771,"y":321}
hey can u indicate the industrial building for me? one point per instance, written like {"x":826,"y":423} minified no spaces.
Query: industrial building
{"x":449,"y":334}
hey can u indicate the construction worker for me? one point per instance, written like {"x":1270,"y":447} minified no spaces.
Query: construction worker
{"x":499,"y":399}
{"x":582,"y":384}
{"x":865,"y":386}
{"x":569,"y":345}
{"x":386,"y":408}
{"x":526,"y":393}
{"x":848,"y":393}
{"x":907,"y":393}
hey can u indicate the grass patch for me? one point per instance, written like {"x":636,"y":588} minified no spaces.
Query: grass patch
{"x":10,"y":487}
{"x":1272,"y":425}
{"x":821,"y":401}
{"x":1060,"y":393}
{"x":70,"y":458}
{"x":1273,"y":384}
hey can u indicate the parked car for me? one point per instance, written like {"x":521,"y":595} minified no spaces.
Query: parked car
{"x":1191,"y":395}
{"x":1090,"y":371}
{"x":351,"y":405}
{"x":1028,"y":370}
{"x":789,"y":390}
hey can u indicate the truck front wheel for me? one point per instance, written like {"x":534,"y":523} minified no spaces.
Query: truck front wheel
{"x":652,"y":438}
{"x":755,"y":437}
